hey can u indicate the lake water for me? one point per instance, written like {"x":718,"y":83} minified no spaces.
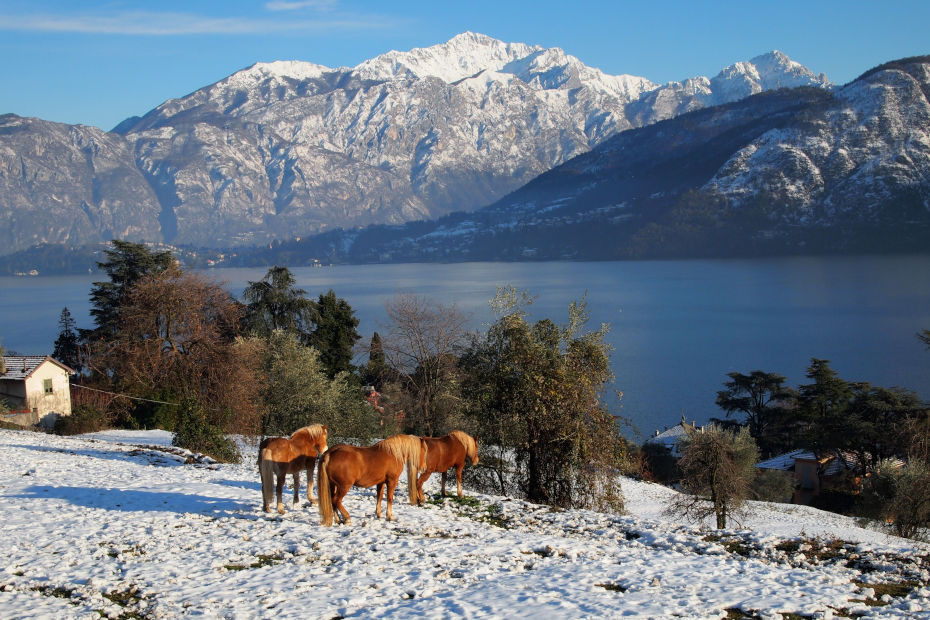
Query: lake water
{"x":677,"y":327}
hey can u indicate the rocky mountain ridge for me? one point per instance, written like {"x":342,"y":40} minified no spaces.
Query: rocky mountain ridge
{"x":789,"y":171}
{"x":289,"y":148}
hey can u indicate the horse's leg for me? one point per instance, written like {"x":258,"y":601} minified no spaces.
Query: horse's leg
{"x":296,"y":487}
{"x":443,"y":484}
{"x":338,"y":494}
{"x":378,"y":502}
{"x":391,"y":485}
{"x":310,"y":497}
{"x":422,"y":478}
{"x":279,"y":490}
{"x":458,"y":476}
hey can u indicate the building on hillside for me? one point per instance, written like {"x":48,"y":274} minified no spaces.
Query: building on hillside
{"x":671,"y":438}
{"x":836,"y":471}
{"x":36,"y":388}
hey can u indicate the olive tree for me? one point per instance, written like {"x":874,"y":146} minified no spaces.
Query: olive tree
{"x":535,"y":391}
{"x":717,"y":468}
{"x":899,"y":494}
{"x":297,"y":391}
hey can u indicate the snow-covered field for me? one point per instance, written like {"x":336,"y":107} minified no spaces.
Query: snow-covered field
{"x":111,"y":524}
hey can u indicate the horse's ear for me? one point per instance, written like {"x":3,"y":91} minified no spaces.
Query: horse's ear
{"x":324,"y":428}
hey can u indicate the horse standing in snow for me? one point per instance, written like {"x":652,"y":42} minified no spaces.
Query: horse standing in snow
{"x":344,"y":466}
{"x":279,"y":456}
{"x":445,"y":452}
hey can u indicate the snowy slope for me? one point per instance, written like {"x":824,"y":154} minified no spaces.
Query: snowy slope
{"x":101,"y":524}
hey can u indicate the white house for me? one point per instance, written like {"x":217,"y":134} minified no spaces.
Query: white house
{"x":671,"y":438}
{"x":36,"y":389}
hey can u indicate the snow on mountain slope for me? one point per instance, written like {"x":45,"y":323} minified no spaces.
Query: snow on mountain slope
{"x":291,"y":148}
{"x":111,"y":523}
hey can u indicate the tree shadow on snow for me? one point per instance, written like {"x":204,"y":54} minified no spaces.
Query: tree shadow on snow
{"x":146,"y":455}
{"x":131,"y":500}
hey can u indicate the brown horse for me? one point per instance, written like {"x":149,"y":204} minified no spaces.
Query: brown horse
{"x":444,"y":452}
{"x":345,"y":466}
{"x":280,"y":456}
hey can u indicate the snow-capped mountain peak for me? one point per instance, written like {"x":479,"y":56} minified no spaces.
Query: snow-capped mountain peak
{"x":291,"y":148}
{"x":294,"y":69}
{"x":460,"y":57}
{"x":768,"y":71}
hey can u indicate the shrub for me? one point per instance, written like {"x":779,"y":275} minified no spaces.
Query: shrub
{"x":771,"y":485}
{"x":83,"y":419}
{"x":899,"y":495}
{"x":193,"y":432}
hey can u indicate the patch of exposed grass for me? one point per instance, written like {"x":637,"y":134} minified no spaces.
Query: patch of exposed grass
{"x":56,"y":591}
{"x":261,"y":560}
{"x":612,"y":587}
{"x":731,"y":544}
{"x":898,"y":589}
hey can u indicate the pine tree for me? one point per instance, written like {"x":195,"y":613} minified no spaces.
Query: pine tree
{"x":125,"y":264}
{"x":66,"y":345}
{"x":274,"y":302}
{"x":335,"y":334}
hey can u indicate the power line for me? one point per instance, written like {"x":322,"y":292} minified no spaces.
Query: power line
{"x":145,"y":400}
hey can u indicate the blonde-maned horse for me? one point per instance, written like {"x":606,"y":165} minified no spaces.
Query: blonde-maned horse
{"x":343,"y":467}
{"x":280,"y":456}
{"x":444,"y":452}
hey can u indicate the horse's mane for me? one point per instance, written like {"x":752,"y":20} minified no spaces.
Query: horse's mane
{"x":314,"y":430}
{"x":471,"y":448}
{"x":401,"y":447}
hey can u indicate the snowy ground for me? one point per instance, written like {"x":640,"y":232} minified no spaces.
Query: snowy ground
{"x":99,"y":525}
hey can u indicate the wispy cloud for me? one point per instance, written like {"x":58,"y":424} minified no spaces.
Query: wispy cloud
{"x":165,"y":24}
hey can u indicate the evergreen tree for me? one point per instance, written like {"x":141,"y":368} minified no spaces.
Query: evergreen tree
{"x":765,"y":401}
{"x":377,"y":364}
{"x":66,"y":345}
{"x":823,"y":405}
{"x":335,"y":334}
{"x":296,"y":392}
{"x":125,"y":264}
{"x":274,"y":303}
{"x":535,"y":390}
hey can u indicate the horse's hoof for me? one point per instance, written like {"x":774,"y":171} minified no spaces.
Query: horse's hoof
{"x":280,"y":509}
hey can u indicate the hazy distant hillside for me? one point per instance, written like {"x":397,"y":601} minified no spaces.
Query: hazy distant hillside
{"x":291,"y":148}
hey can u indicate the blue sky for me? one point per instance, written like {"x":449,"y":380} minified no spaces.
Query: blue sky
{"x":97,"y":63}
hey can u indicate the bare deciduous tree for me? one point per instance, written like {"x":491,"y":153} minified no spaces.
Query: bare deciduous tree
{"x":421,"y":345}
{"x":178,"y":339}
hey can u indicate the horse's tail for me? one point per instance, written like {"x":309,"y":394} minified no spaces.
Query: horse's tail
{"x":266,"y":471}
{"x":324,"y":492}
{"x":415,"y":461}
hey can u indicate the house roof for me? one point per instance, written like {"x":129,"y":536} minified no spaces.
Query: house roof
{"x":786,"y":461}
{"x":669,"y":436}
{"x":20,"y":367}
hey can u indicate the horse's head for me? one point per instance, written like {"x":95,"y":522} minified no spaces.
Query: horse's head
{"x":321,"y":446}
{"x":421,"y":466}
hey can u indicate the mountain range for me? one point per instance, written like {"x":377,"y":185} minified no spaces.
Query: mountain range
{"x":294,"y":149}
{"x":787,"y":171}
